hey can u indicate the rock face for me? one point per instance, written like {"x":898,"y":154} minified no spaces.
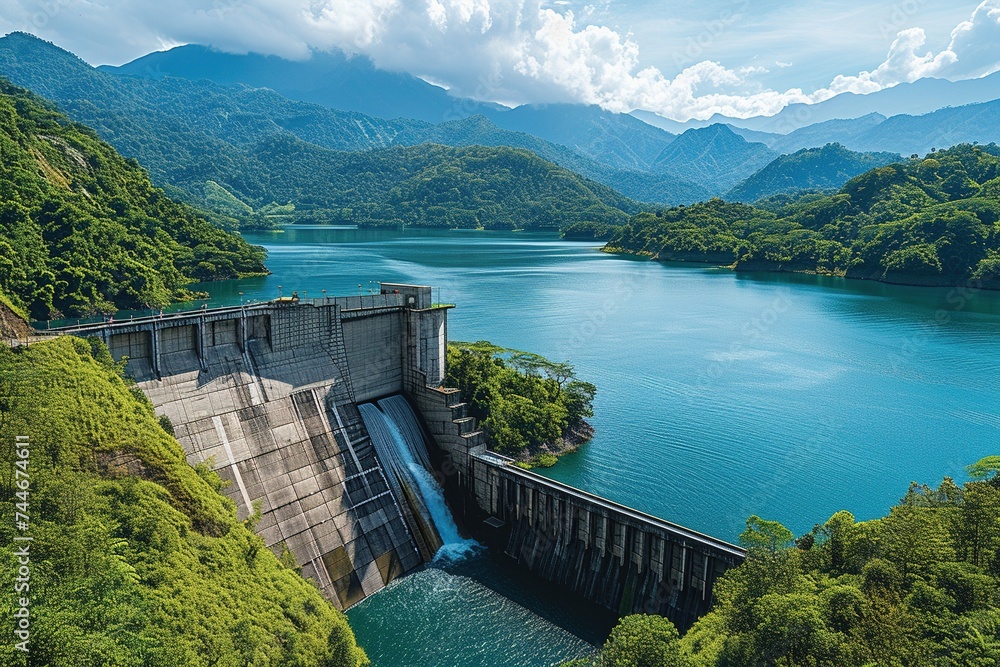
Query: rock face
{"x":12,"y":325}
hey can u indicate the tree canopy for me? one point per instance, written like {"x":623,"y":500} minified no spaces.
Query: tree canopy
{"x":525,"y":403}
{"x":919,"y":587}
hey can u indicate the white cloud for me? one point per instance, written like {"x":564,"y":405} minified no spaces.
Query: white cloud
{"x":974,"y":51}
{"x":504,"y":50}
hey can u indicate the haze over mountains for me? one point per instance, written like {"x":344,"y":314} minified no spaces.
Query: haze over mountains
{"x":849,"y":119}
{"x":916,"y":98}
{"x":199,"y":121}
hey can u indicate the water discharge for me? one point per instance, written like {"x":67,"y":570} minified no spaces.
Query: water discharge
{"x":399,"y":441}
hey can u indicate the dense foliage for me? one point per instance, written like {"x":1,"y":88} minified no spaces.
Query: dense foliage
{"x":917,"y":588}
{"x":137,"y":559}
{"x":526,"y":404}
{"x":82,"y":230}
{"x":826,"y":168}
{"x":923,"y":221}
{"x":433,"y":186}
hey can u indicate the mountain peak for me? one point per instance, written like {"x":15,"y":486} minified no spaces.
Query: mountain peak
{"x":330,"y":78}
{"x":25,"y":42}
{"x":714,"y":154}
{"x":718,"y":134}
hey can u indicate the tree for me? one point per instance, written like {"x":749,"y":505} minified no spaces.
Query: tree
{"x":985,"y":468}
{"x":765,"y":536}
{"x":643,"y":640}
{"x":977,"y":524}
{"x":914,"y":539}
{"x":838,"y":530}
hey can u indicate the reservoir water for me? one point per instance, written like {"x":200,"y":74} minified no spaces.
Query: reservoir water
{"x":720,"y":394}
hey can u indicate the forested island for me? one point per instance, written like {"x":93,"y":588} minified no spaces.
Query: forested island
{"x":918,"y":587}
{"x":530,"y":408}
{"x":930,"y":221}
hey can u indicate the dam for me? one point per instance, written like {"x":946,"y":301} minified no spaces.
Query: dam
{"x":321,"y":414}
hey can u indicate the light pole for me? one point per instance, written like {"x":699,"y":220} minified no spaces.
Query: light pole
{"x":241,"y":299}
{"x":279,"y":291}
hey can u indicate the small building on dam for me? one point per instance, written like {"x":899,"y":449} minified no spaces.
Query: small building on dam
{"x":286,"y":400}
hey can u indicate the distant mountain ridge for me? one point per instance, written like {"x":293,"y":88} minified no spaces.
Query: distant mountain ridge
{"x":178,"y":110}
{"x":254,"y":155}
{"x":917,"y":98}
{"x":145,"y":118}
{"x":332,"y":79}
{"x":904,"y":133}
{"x":355,"y":84}
{"x":826,"y":168}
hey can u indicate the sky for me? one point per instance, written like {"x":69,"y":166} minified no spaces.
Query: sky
{"x":683,"y":60}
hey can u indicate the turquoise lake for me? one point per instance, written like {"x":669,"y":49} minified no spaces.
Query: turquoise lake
{"x":720,"y":395}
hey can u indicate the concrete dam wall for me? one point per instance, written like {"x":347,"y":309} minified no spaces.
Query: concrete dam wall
{"x":270,"y":394}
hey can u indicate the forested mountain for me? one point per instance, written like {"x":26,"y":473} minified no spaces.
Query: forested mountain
{"x":197,"y":136}
{"x":82,"y":230}
{"x":619,"y":141}
{"x":645,"y":186}
{"x":922,"y":221}
{"x":137,"y":559}
{"x":644,"y":162}
{"x":431,"y":185}
{"x":716,"y":157}
{"x":827,"y":168}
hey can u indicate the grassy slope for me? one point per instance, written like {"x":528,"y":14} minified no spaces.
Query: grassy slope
{"x":137,"y":559}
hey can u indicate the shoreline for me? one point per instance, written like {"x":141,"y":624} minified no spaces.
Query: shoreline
{"x":908,"y":281}
{"x":548,"y":455}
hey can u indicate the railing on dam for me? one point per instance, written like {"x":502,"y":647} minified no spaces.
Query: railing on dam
{"x":346,"y":304}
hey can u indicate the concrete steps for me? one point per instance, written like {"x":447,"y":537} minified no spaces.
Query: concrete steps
{"x":466,"y":425}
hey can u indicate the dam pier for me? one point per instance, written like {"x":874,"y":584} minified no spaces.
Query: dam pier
{"x":279,"y":398}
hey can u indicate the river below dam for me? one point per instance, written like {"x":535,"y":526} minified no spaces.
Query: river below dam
{"x":721,"y":394}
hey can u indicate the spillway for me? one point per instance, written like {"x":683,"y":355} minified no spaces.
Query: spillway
{"x":399,"y":441}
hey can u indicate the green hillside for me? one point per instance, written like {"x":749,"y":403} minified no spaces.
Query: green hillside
{"x":82,"y":230}
{"x":931,"y":221}
{"x":826,"y":168}
{"x":137,"y":560}
{"x":433,"y":186}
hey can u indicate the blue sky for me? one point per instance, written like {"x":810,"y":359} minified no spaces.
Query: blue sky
{"x":680,"y":59}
